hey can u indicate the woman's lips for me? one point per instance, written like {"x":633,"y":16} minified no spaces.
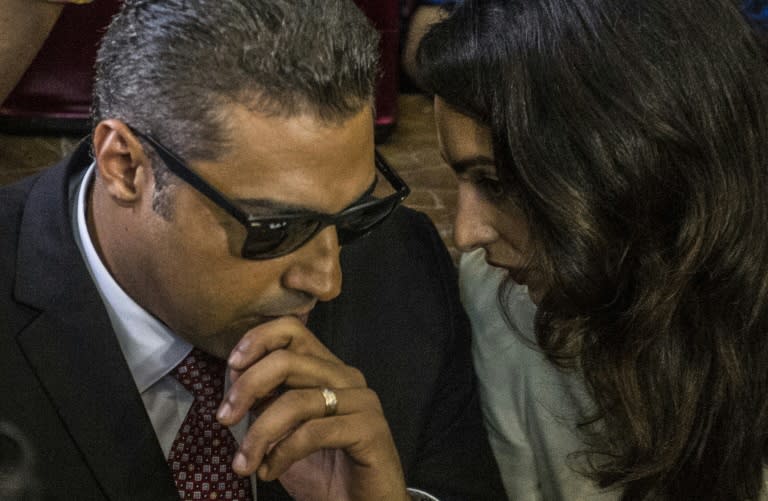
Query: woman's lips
{"x":499,"y":264}
{"x":523,"y":276}
{"x":519,"y":275}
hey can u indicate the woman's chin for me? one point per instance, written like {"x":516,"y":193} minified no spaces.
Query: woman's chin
{"x":536,"y":294}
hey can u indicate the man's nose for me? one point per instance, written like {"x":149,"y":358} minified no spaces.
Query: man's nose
{"x":475,"y":217}
{"x":316,"y":270}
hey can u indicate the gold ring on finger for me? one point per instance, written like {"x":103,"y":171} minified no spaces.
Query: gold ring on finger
{"x":330,"y":401}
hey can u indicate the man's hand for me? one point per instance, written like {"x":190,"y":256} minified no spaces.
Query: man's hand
{"x":278,"y":371}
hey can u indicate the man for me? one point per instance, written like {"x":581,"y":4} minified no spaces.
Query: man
{"x":233,"y":156}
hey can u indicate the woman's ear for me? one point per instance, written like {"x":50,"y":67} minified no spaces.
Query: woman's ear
{"x":122,"y":164}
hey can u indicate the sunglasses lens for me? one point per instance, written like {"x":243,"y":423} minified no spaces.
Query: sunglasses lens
{"x":277,"y":240}
{"x":359,"y":221}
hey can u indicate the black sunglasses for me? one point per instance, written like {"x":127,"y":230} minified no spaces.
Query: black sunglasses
{"x":277,"y":235}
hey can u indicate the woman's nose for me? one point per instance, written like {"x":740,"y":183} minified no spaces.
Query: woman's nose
{"x":475,"y":217}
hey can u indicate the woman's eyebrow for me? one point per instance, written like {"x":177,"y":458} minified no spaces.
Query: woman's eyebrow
{"x":465,"y":164}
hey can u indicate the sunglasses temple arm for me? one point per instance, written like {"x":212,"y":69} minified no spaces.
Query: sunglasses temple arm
{"x":178,"y":167}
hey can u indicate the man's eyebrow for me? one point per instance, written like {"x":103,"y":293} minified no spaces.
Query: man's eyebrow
{"x":275,"y":207}
{"x":258,"y":205}
{"x":465,"y":164}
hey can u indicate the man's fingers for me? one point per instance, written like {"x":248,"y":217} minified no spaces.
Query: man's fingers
{"x":286,"y":333}
{"x":278,"y":369}
{"x":360,"y":435}
{"x":290,"y":412}
{"x":294,"y":423}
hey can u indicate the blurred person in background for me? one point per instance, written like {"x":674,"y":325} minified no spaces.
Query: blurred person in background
{"x":24,"y":26}
{"x":18,"y":475}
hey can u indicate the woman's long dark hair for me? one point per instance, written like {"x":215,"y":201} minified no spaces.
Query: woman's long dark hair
{"x":634,"y":134}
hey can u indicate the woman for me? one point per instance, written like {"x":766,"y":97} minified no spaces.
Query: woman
{"x":611,"y":155}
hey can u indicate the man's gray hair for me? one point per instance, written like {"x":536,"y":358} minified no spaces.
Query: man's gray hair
{"x":167,"y":67}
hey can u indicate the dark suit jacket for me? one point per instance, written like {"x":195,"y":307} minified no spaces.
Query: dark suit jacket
{"x":65,"y":384}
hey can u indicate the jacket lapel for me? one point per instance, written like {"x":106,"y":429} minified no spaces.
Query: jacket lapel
{"x":74,"y":352}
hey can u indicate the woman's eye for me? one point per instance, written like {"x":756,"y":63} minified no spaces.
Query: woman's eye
{"x":491,"y":188}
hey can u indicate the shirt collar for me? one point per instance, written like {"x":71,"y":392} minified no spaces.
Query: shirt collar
{"x":149,"y":347}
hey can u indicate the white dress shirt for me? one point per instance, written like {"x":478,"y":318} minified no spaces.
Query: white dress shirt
{"x":150,"y":349}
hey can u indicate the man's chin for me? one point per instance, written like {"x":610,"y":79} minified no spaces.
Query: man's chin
{"x":221,"y":343}
{"x":301,"y":317}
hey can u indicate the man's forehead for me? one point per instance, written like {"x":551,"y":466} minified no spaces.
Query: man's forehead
{"x":294,"y":163}
{"x":307,"y":119}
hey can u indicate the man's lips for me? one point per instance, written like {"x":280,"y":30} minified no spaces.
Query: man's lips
{"x":302,"y":316}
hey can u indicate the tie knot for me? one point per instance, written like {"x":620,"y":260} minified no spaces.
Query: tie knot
{"x":201,"y":374}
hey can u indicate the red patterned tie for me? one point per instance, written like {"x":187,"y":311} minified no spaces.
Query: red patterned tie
{"x":201,"y":455}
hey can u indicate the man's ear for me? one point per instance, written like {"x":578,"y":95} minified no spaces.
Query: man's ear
{"x":123,"y":165}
